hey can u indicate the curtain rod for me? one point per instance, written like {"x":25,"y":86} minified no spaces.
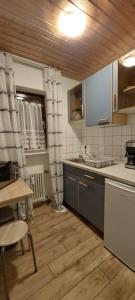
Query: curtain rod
{"x":28,"y":62}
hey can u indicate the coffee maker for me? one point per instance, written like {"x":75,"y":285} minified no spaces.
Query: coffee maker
{"x":130,"y":154}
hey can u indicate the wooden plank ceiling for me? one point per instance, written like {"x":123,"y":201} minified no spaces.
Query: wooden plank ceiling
{"x":29,"y":29}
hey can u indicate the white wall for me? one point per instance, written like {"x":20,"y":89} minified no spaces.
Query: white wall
{"x":28,"y":76}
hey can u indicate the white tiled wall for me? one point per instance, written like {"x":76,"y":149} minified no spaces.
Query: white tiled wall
{"x":72,"y":141}
{"x":108,"y":141}
{"x":102,"y":141}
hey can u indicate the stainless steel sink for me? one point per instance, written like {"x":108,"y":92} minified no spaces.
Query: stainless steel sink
{"x":78,"y":160}
{"x":96,"y":163}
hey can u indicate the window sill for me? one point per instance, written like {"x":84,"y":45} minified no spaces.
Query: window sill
{"x":35,"y":152}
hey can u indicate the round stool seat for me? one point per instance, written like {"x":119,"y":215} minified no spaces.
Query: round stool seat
{"x":12,"y":233}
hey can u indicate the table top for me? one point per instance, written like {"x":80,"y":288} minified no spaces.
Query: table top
{"x":14,"y":192}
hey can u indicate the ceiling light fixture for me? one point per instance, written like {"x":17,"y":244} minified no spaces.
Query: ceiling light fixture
{"x":72,"y":24}
{"x":20,"y":97}
{"x":129,"y":61}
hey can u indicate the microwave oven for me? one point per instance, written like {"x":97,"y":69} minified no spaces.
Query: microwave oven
{"x":8,"y":173}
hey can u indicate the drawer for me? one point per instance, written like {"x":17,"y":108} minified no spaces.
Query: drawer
{"x":87,"y":175}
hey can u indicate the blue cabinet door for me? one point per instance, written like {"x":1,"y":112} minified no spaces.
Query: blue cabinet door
{"x":91,"y":202}
{"x":98,"y":96}
{"x":71,"y":190}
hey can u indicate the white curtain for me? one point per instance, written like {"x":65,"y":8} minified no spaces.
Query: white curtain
{"x":53,"y":89}
{"x":32,"y":125}
{"x":11,"y":148}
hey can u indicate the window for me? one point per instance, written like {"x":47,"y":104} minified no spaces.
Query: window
{"x":32,"y":120}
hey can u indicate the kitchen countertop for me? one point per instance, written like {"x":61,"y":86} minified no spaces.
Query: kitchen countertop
{"x":116,"y":172}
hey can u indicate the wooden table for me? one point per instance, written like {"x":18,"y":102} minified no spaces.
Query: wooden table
{"x":14,"y":193}
{"x":13,"y":232}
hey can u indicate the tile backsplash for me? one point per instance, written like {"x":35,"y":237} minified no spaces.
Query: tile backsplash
{"x":102,"y":141}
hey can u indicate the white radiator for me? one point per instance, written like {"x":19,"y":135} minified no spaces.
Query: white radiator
{"x":37,"y":184}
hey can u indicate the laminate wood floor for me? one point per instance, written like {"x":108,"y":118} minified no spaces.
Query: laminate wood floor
{"x":72,"y":263}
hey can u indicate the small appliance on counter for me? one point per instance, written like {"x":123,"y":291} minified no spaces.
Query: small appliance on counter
{"x":8,"y":173}
{"x":130,"y":154}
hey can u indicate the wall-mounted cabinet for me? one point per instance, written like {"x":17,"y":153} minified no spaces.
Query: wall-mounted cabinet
{"x":98,"y":93}
{"x":75,"y":104}
{"x":126,"y":89}
{"x":101,"y":97}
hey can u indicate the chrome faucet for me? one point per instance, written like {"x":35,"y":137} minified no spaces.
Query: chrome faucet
{"x":81,"y":153}
{"x":91,"y":155}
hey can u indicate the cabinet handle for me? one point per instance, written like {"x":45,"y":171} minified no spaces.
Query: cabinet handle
{"x":82,"y":110}
{"x":103,"y":121}
{"x":114,"y":103}
{"x":71,"y":178}
{"x":81,"y":183}
{"x":90,"y":177}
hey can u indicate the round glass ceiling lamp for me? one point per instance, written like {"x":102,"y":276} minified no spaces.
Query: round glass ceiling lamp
{"x":129,"y":61}
{"x":72,"y":24}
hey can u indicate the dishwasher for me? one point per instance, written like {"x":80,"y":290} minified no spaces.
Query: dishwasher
{"x":119,"y":221}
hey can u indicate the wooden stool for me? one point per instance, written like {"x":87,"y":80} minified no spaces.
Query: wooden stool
{"x":10,"y":234}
